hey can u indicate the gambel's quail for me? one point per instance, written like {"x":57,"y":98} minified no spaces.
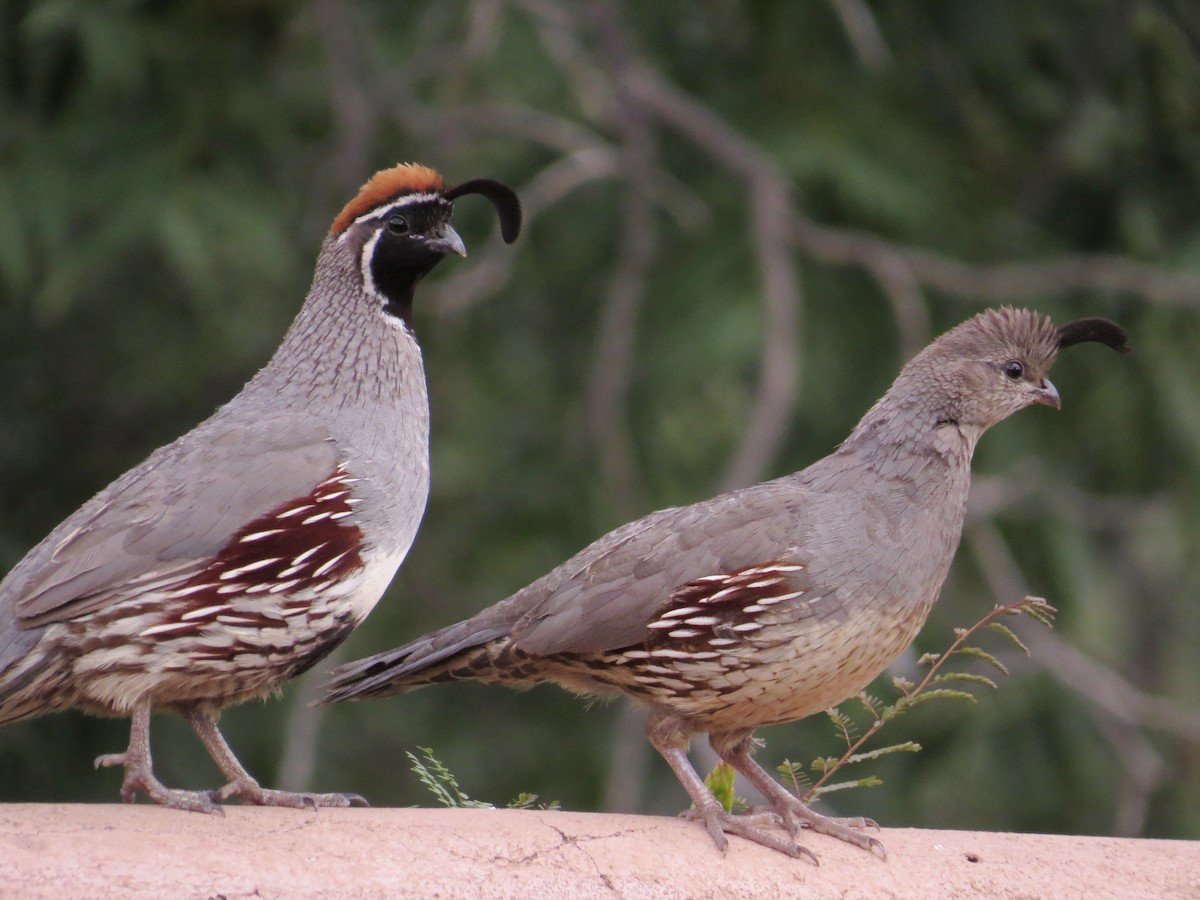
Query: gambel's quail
{"x":767,"y":604}
{"x":244,"y":552}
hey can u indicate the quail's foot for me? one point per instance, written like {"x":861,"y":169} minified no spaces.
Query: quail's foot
{"x":139,"y":778}
{"x":139,"y":770}
{"x":251,"y":791}
{"x":753,"y":826}
{"x":203,"y":719}
{"x":795,"y":814}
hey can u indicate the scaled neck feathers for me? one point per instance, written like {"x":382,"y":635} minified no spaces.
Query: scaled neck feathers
{"x":918,"y":417}
{"x":342,"y":348}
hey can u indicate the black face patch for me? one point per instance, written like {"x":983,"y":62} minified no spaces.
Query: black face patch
{"x":402,"y":253}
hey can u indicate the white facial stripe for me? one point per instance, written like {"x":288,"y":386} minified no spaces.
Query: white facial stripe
{"x":379,"y":211}
{"x":364,"y":263}
{"x":406,"y":200}
{"x":369,"y":283}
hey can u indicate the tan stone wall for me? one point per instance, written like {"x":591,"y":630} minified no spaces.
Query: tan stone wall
{"x":142,"y":851}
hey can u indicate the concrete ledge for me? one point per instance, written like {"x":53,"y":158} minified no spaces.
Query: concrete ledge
{"x":142,"y":851}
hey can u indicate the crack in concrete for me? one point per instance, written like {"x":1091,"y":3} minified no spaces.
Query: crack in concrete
{"x":576,"y":842}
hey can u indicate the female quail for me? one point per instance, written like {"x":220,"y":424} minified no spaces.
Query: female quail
{"x":771,"y":603}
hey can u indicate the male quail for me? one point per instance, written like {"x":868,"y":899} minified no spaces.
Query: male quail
{"x":245,"y":551}
{"x":767,"y":604}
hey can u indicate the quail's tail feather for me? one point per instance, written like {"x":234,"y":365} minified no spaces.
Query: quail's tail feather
{"x":456,"y":652}
{"x":27,"y":678}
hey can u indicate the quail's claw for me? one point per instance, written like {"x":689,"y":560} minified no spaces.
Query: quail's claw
{"x":140,"y":779}
{"x":251,"y":791}
{"x":751,"y":826}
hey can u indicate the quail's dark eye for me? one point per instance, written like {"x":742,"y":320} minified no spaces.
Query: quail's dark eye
{"x":1014,"y":370}
{"x":397,"y":225}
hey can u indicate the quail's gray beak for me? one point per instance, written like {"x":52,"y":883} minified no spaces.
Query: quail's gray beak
{"x":449,"y":242}
{"x":1046,"y":393}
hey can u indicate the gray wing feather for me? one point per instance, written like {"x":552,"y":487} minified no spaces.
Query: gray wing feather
{"x":603,"y":597}
{"x":171,"y":514}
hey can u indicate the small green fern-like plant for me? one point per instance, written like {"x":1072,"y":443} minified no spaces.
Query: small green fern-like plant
{"x":815,"y":779}
{"x":444,"y":786}
{"x":441,"y":781}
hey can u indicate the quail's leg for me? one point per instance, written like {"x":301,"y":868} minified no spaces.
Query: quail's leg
{"x":139,"y":771}
{"x":737,"y":750}
{"x":670,"y":741}
{"x":203,"y":720}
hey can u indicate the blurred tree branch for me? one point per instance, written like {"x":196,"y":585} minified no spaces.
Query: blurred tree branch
{"x":999,"y":282}
{"x":767,"y":189}
{"x":1121,"y":710}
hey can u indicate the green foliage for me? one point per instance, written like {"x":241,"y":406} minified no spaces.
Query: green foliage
{"x":444,"y":786}
{"x":526,"y":800}
{"x":721,"y":781}
{"x":441,"y":781}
